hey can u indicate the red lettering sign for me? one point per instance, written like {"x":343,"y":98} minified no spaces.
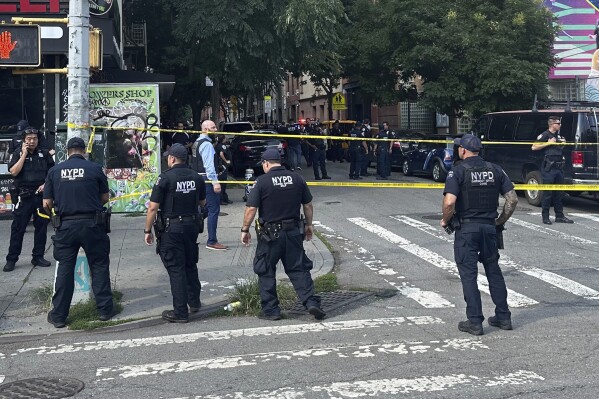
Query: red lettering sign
{"x":25,"y":6}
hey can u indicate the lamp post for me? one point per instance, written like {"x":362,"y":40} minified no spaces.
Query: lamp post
{"x":78,"y":70}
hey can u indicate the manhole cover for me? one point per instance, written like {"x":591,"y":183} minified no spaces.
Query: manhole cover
{"x":41,"y":388}
{"x":331,"y":300}
{"x":436,"y":216}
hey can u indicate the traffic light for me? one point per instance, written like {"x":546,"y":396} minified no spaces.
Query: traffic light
{"x":96,"y":49}
{"x":20,"y":45}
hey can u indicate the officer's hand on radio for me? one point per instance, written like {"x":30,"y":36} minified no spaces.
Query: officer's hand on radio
{"x":246,"y":238}
{"x":149,"y":238}
{"x":309,"y":232}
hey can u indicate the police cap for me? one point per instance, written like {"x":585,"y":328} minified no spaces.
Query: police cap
{"x":178,"y":151}
{"x":271,"y":154}
{"x":469,"y":142}
{"x":76,"y":142}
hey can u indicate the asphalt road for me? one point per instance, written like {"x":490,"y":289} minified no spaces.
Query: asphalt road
{"x":404,"y":346}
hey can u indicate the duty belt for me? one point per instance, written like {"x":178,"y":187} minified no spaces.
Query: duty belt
{"x":284,"y":225}
{"x":182,"y":219}
{"x":79,"y":216}
{"x":477,"y":220}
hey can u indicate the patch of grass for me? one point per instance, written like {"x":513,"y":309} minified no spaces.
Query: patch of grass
{"x":322,"y":238}
{"x":42,"y":297}
{"x":326,"y":283}
{"x":84,"y":316}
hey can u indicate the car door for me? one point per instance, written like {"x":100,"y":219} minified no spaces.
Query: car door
{"x":501,"y":134}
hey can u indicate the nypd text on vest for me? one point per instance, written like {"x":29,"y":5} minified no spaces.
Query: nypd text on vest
{"x":482,"y":178}
{"x":72,"y":174}
{"x":282,"y":181}
{"x":186,"y":186}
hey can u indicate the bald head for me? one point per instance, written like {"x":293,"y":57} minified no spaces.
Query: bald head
{"x":208,"y":126}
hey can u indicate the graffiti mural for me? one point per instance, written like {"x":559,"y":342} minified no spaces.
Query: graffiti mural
{"x":132,"y":150}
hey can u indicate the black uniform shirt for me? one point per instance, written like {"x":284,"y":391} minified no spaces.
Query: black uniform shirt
{"x":178,"y":191}
{"x":356,"y":132}
{"x":552,"y":152}
{"x":319,"y":143}
{"x":278,"y":195}
{"x":76,"y":186}
{"x":34,"y":169}
{"x":456,"y":177}
{"x":384,"y":134}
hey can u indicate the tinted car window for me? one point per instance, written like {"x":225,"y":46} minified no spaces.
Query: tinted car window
{"x":530,"y":126}
{"x":502,"y":127}
{"x":480,"y":129}
{"x":589,"y":131}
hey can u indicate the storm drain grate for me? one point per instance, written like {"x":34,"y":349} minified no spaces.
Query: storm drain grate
{"x":41,"y":388}
{"x":331,"y":300}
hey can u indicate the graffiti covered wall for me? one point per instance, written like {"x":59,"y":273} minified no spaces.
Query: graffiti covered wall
{"x":132,"y":152}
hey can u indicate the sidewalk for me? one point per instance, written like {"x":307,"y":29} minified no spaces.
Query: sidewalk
{"x":137,"y":271}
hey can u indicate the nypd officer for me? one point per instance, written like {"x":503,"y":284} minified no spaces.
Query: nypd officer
{"x":278,"y":195}
{"x":178,"y":193}
{"x":29,"y":165}
{"x":76,"y":189}
{"x":552,"y":170}
{"x":472,"y":193}
{"x":357,"y":149}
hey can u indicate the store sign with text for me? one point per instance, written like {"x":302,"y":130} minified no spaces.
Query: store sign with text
{"x":100,"y":7}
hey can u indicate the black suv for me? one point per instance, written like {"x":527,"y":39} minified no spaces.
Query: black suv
{"x":522,"y":164}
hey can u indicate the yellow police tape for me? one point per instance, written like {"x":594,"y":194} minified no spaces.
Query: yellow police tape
{"x":524,"y":187}
{"x":308,"y":136}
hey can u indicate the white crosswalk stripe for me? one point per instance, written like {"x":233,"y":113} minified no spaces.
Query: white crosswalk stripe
{"x":551,"y":232}
{"x":515,"y":299}
{"x":392,"y":386}
{"x":554,"y":279}
{"x":255,"y":359}
{"x":428,"y":299}
{"x":589,"y":216}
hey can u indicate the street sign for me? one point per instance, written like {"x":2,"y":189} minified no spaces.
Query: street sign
{"x":267,"y":104}
{"x":339,"y":102}
{"x":20,"y":45}
{"x":100,"y":7}
{"x":209,"y":82}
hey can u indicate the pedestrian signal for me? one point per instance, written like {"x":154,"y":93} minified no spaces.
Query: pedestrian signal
{"x":20,"y":45}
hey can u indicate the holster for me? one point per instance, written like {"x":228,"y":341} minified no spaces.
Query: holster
{"x":499,"y":229}
{"x":302,"y":226}
{"x":56,"y":221}
{"x":159,"y":225}
{"x":103,"y":218}
{"x":261,"y":232}
{"x":200,"y":222}
{"x":453,"y":225}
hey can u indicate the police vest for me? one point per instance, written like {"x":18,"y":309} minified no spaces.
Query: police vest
{"x":197,"y":163}
{"x":34,"y":171}
{"x":479,"y":192}
{"x":182,"y":194}
{"x":553,"y":152}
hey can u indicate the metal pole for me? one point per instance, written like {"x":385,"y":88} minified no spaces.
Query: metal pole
{"x":78,"y":73}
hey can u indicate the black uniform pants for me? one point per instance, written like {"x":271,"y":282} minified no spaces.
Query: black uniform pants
{"x":354,"y":162}
{"x":179,"y":253}
{"x":552,"y":176}
{"x":382,"y":164}
{"x":22,"y":213}
{"x":477,"y":242}
{"x":318,"y":161}
{"x":288,"y":248}
{"x":72,"y":235}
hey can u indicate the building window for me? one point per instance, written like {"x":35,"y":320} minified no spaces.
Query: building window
{"x":417,"y":117}
{"x":567,"y":89}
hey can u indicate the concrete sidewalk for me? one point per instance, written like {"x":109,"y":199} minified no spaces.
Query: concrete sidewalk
{"x":137,"y":271}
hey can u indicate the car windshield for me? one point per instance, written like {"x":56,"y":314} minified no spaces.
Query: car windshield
{"x":589,"y":132}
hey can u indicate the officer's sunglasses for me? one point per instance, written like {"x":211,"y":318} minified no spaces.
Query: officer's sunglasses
{"x":31,"y":131}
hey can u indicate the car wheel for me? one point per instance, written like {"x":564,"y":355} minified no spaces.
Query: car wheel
{"x":439,"y":174}
{"x":533,"y":197}
{"x":407,"y":168}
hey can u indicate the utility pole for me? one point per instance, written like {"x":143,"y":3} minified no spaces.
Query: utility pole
{"x":78,"y":69}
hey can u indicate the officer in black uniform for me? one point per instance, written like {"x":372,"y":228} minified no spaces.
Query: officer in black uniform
{"x":75,"y":190}
{"x":471,"y":198}
{"x":278,"y":195}
{"x":178,"y":193}
{"x":357,"y":149}
{"x":552,"y":170}
{"x":383,"y":151}
{"x":29,"y":165}
{"x":318,"y":148}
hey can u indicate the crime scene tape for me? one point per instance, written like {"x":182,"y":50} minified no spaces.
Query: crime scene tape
{"x":321,"y":137}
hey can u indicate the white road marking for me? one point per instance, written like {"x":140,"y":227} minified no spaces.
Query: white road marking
{"x":551,"y":232}
{"x":392,"y":386}
{"x":331,"y":326}
{"x":589,"y":216}
{"x":515,"y":299}
{"x":342,"y":352}
{"x":554,"y":279}
{"x":2,"y":379}
{"x":428,"y":299}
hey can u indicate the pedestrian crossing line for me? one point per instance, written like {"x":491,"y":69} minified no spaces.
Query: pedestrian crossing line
{"x":515,"y":299}
{"x":428,"y":299}
{"x":254,"y":359}
{"x":551,"y":232}
{"x":551,"y":278}
{"x":330,"y":326}
{"x":589,"y":216}
{"x":2,"y":379}
{"x":392,"y":386}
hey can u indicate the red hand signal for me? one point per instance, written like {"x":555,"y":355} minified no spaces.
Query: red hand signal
{"x":6,"y":45}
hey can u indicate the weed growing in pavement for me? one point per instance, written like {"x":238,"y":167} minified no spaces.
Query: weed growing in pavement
{"x":322,"y":238}
{"x":42,"y":297}
{"x":84,"y":316}
{"x":326,"y":283}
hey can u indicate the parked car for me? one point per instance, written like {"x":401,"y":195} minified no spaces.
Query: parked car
{"x":399,"y":147}
{"x":246,"y":151}
{"x":522,"y":164}
{"x":236,"y":127}
{"x":434,"y":159}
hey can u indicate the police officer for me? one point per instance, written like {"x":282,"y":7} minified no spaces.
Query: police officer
{"x":357,"y":148}
{"x":278,"y":195}
{"x":29,"y":165}
{"x":318,"y":148}
{"x":552,"y":170}
{"x":383,"y":151}
{"x":178,"y":193}
{"x":472,"y":192}
{"x":76,"y":189}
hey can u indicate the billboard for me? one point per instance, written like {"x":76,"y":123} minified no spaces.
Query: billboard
{"x":132,"y":146}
